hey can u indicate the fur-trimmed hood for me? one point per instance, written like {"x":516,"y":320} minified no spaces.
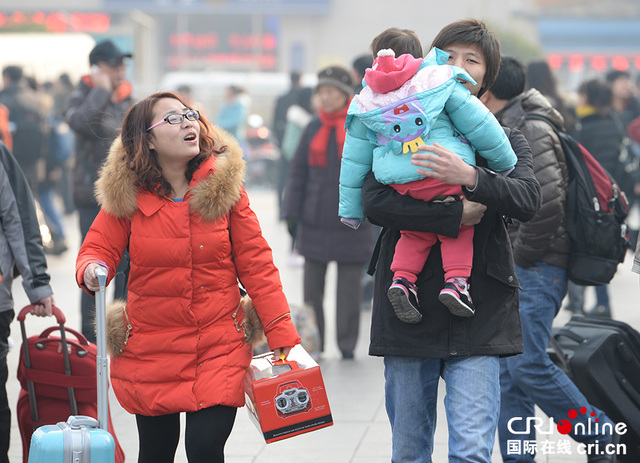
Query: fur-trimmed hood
{"x":214,"y":189}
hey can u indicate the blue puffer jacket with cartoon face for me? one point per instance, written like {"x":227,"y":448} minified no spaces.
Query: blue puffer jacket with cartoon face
{"x":385,"y":129}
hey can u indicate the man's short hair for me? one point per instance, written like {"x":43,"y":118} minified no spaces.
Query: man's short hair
{"x":14,"y":73}
{"x":510,"y":80}
{"x":473,"y":32}
{"x":295,"y":77}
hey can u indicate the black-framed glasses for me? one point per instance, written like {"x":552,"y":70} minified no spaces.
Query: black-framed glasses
{"x":191,"y":115}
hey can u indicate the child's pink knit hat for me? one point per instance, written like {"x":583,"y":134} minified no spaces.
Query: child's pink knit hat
{"x":389,"y":73}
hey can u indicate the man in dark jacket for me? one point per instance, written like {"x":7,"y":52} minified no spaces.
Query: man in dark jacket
{"x":463,"y":351}
{"x":95,"y":112}
{"x":541,"y":252}
{"x":21,"y":253}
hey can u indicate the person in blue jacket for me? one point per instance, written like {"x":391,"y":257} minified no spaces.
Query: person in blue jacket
{"x":407,"y":102}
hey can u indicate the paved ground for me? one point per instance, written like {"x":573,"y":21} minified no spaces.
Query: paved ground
{"x":361,"y":431}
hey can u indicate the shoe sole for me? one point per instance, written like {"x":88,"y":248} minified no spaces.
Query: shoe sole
{"x":455,"y":305}
{"x":401,"y":306}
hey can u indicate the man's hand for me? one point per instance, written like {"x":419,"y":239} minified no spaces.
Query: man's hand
{"x":90,"y":278}
{"x":447,"y":166}
{"x":472,"y":212}
{"x":100,"y":78}
{"x":42,"y":308}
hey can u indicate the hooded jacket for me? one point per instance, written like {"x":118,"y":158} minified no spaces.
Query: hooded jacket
{"x":543,"y":238}
{"x":185,"y":349}
{"x":427,"y":106}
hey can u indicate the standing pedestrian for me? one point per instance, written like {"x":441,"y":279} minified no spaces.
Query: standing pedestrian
{"x":465,"y":352}
{"x":541,"y":249}
{"x":21,"y":252}
{"x":171,"y":190}
{"x":95,"y":111}
{"x":312,"y":200}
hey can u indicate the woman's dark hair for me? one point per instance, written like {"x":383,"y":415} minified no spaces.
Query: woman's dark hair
{"x":401,"y":41}
{"x":142,"y":160}
{"x":473,"y":32}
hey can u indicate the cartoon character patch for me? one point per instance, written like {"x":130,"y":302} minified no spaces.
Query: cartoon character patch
{"x":406,"y":123}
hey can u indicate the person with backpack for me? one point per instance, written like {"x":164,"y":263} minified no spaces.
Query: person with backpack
{"x":541,"y":250}
{"x":95,"y":111}
{"x":600,"y":130}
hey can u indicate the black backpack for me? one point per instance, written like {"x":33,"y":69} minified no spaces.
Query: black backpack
{"x":595,"y":215}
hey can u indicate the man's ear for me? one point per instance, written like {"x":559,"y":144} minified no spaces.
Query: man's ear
{"x":487,"y":97}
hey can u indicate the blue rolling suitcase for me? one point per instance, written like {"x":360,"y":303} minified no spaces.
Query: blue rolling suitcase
{"x":81,"y":439}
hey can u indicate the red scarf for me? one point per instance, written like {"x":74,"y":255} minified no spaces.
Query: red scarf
{"x":320,"y":142}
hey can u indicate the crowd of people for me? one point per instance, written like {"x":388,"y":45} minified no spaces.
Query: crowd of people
{"x":427,"y":168}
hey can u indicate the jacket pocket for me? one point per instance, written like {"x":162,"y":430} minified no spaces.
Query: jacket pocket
{"x":504,"y":273}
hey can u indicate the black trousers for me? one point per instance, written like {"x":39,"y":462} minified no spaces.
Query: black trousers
{"x":348,"y":299}
{"x":5,"y":410}
{"x":206,"y":433}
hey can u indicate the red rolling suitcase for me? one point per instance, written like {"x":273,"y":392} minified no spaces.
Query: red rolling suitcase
{"x":58,"y":379}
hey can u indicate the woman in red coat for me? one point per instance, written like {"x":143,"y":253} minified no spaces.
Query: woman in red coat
{"x":171,"y":189}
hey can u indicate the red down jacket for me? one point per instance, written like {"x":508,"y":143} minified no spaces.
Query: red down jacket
{"x":185,"y":352}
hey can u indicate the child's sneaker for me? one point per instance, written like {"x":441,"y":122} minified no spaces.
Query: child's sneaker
{"x":455,"y":295}
{"x":404,"y":299}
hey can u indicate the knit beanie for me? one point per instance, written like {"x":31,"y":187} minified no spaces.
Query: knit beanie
{"x":338,"y":77}
{"x":389,"y":73}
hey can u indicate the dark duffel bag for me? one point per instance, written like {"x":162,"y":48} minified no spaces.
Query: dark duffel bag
{"x":602,"y":357}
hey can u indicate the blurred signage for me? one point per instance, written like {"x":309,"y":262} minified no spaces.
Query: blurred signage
{"x":17,"y":21}
{"x":598,"y":62}
{"x":231,"y":42}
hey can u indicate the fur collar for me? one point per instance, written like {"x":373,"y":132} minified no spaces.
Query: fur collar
{"x":216,"y":185}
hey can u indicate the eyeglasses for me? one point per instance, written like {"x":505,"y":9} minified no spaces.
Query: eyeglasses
{"x":173,"y":119}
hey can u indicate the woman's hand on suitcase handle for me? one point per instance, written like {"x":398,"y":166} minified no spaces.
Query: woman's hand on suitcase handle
{"x":42,"y":308}
{"x":90,"y":278}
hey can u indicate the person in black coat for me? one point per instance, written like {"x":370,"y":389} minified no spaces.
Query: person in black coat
{"x":311,"y":199}
{"x":463,"y":351}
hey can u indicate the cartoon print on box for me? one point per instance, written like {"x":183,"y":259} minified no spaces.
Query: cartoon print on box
{"x":409,"y":102}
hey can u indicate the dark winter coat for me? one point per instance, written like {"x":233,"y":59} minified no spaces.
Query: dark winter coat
{"x":602,"y":135}
{"x":95,"y":119}
{"x":311,"y":196}
{"x":21,"y":251}
{"x":543,"y":238}
{"x":495,"y":328}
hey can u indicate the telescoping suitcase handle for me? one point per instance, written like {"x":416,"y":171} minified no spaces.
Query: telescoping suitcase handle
{"x":101,"y":357}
